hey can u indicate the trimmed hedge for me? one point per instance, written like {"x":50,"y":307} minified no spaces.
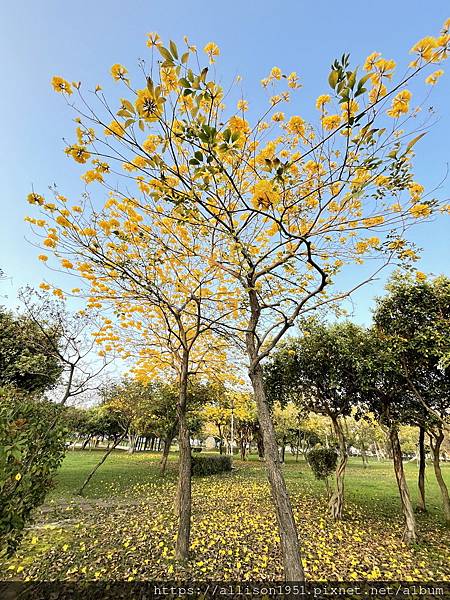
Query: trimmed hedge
{"x":322,"y":462}
{"x":210,"y":465}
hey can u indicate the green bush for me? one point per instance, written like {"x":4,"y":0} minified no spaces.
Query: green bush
{"x":210,"y":465}
{"x":322,"y":462}
{"x":32,"y":446}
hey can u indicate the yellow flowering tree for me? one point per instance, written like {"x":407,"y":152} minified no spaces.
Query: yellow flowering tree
{"x":161,"y":299}
{"x":283,"y":204}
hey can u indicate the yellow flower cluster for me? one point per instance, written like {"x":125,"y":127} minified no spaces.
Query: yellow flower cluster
{"x":296,"y":125}
{"x":78,"y":153}
{"x":238,"y":124}
{"x":420,"y":211}
{"x":61,"y":85}
{"x":92,"y":175}
{"x":212,"y":50}
{"x":400,"y":104}
{"x":264,"y":194}
{"x":118,"y":72}
{"x":322,"y":100}
{"x":416,"y":191}
{"x":153,"y":39}
{"x":331,"y":122}
{"x":433,"y":78}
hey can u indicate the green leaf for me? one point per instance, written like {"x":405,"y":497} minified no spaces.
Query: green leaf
{"x":333,"y":78}
{"x":351,"y":80}
{"x":165,"y":53}
{"x":363,"y":80}
{"x":414,"y":141}
{"x":173,"y":49}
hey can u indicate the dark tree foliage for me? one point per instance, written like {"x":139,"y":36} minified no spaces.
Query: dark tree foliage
{"x":32,"y":446}
{"x":317,"y":370}
{"x":413,"y":321}
{"x":28,"y":360}
{"x":322,"y":461}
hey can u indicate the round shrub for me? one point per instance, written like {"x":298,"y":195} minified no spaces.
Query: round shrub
{"x":322,"y":462}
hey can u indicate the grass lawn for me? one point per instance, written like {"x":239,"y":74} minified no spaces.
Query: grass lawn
{"x":124,"y":528}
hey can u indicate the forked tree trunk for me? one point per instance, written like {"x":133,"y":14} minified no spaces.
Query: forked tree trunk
{"x":421,"y":506}
{"x":290,"y":547}
{"x":436,"y":439}
{"x":184,"y":474}
{"x":410,"y":533}
{"x":336,"y":503}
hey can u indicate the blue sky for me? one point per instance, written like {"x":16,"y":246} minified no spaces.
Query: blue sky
{"x":80,"y":41}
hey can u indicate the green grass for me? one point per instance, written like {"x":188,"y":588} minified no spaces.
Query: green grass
{"x":374,"y":486}
{"x":125,"y":526}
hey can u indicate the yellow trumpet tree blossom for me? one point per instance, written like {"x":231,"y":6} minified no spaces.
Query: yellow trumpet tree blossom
{"x":283,"y":204}
{"x":147,"y":272}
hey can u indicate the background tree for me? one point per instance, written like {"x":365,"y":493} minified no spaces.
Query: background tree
{"x":414,"y":320}
{"x":386,"y":395}
{"x":286,"y":423}
{"x":28,"y":360}
{"x":317,"y":372}
{"x":33,"y":426}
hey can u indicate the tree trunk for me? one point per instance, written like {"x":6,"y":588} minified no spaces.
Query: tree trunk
{"x":336,"y":503}
{"x":220,"y":439}
{"x":365,"y":460}
{"x":283,"y":450}
{"x":290,"y":547}
{"x":436,"y":439}
{"x":184,"y":476}
{"x":421,"y":506}
{"x":243,"y":447}
{"x":131,"y":443}
{"x":99,"y":464}
{"x":167,"y":443}
{"x":410,"y":533}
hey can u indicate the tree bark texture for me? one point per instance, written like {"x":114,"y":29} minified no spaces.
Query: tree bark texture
{"x":436,"y":439}
{"x":336,"y":503}
{"x":410,"y":533}
{"x":184,"y":500}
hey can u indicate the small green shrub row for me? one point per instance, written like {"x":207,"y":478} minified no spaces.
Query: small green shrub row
{"x":210,"y":465}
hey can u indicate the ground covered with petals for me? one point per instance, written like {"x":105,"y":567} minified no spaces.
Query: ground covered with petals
{"x":125,"y":527}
